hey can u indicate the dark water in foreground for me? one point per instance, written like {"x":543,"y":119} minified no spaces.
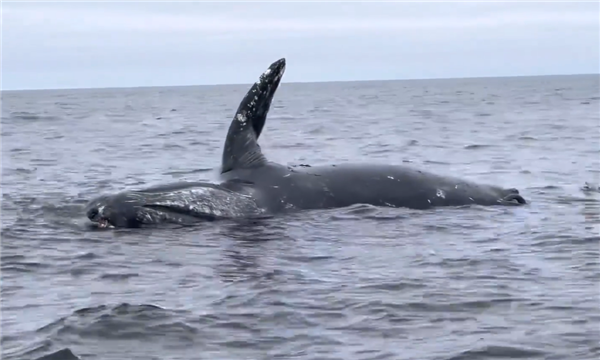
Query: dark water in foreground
{"x":357,"y":283}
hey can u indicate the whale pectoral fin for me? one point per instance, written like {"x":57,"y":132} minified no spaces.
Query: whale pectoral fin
{"x":241,"y":148}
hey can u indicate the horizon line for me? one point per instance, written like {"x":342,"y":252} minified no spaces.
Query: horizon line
{"x":290,"y":82}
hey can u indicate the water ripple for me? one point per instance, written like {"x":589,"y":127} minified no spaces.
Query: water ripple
{"x":356,"y":283}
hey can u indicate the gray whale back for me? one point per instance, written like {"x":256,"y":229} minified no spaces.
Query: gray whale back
{"x":281,"y":188}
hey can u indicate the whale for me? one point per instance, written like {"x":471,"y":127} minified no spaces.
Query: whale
{"x":251,"y":185}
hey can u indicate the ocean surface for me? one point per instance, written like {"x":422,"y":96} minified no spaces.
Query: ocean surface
{"x":355,"y":283}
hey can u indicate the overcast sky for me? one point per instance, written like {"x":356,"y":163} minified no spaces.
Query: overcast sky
{"x":72,"y":45}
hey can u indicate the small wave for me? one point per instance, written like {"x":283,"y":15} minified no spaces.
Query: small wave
{"x":87,"y":256}
{"x":63,"y":354}
{"x":543,"y":189}
{"x":526,"y":138}
{"x":320,"y":110}
{"x":441,"y":307}
{"x":20,"y":150}
{"x":146,"y":322}
{"x":353,"y":212}
{"x":573,"y":199}
{"x":434,"y":162}
{"x":394,"y":286}
{"x":8,"y":258}
{"x":24,"y":115}
{"x":28,"y":351}
{"x":281,"y":117}
{"x":188,"y":172}
{"x":22,"y":266}
{"x":54,"y":137}
{"x":587,"y":187}
{"x":493,"y":351}
{"x":175,"y":132}
{"x":320,"y":129}
{"x":173,"y":146}
{"x":477,"y":146}
{"x":24,"y":171}
{"x":44,"y":162}
{"x":124,"y":321}
{"x":118,"y":277}
{"x":366,"y":212}
{"x":546,"y":240}
{"x":307,"y":259}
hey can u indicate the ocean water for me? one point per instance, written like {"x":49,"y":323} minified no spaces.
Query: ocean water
{"x":355,"y":283}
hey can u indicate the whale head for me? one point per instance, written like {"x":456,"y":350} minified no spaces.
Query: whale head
{"x":183,"y":203}
{"x":120,"y":210}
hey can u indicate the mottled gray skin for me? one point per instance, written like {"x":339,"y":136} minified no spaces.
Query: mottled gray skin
{"x":188,"y":203}
{"x":278,"y":188}
{"x":181,"y":203}
{"x":241,"y":149}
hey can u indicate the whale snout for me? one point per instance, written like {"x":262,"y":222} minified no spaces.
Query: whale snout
{"x":274,"y":72}
{"x":97,"y":211}
{"x":93,"y":213}
{"x":512,"y":196}
{"x":278,"y":66}
{"x":112,"y":211}
{"x":515,"y":198}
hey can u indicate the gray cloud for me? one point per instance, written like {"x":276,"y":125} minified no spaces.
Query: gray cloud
{"x":127,"y":44}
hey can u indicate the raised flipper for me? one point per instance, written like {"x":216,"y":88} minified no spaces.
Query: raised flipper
{"x":241,"y":148}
